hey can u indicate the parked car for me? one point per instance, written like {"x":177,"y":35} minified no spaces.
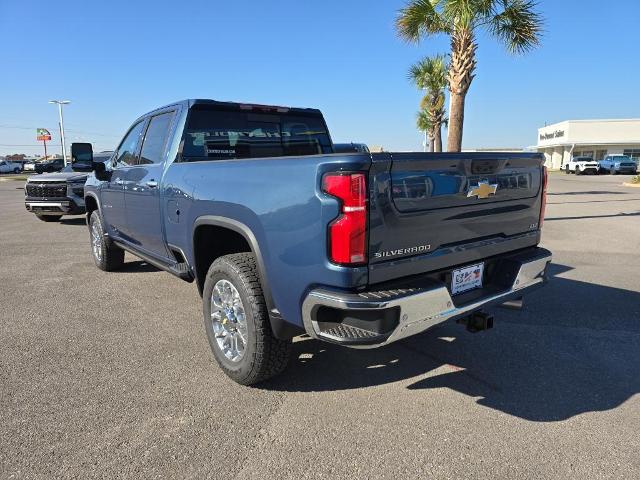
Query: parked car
{"x":350,"y":147}
{"x":51,"y":195}
{"x":49,"y":166}
{"x":9,"y":167}
{"x":29,"y":166}
{"x":580,"y":165}
{"x":615,"y":164}
{"x":283,"y":236}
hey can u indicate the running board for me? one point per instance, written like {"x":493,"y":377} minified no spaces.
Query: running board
{"x":180,"y":270}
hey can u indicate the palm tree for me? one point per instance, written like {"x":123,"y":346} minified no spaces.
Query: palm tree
{"x":424,"y":125}
{"x":430,"y":75}
{"x":515,"y":23}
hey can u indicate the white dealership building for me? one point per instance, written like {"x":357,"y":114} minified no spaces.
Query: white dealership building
{"x":589,"y":138}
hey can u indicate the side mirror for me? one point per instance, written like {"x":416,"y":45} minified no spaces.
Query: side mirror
{"x":100,"y":169}
{"x":81,"y":157}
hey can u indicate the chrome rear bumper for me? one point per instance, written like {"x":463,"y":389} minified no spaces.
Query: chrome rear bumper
{"x":417,"y":309}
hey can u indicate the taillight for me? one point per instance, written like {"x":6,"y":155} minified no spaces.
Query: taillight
{"x":545,"y":180}
{"x":348,"y":232}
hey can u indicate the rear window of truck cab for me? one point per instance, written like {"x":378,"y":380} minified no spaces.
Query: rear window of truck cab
{"x":215,"y":134}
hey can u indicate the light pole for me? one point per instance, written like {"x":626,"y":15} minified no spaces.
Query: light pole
{"x":60,"y":103}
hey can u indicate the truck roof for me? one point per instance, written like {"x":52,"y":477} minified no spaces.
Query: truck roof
{"x":237,"y":105}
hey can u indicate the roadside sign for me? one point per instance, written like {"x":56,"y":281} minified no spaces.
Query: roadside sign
{"x":43,"y":135}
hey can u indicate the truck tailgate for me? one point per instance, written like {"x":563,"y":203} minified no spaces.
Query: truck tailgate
{"x":435,"y":211}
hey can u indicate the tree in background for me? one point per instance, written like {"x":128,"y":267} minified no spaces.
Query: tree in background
{"x":424,"y":125}
{"x":430,"y":75}
{"x":515,"y":23}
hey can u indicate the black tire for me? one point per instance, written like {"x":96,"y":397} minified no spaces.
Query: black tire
{"x":578,"y":171}
{"x":567,"y":171}
{"x":16,"y":170}
{"x":264,"y":355}
{"x":109,"y":256}
{"x":613,"y":171}
{"x":49,"y":218}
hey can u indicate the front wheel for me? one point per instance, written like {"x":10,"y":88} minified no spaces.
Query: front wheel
{"x":106,"y":255}
{"x":237,"y":322}
{"x":613,"y":171}
{"x":566,"y":170}
{"x":49,"y":218}
{"x":16,"y":170}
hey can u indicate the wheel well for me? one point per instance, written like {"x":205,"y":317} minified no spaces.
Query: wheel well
{"x":90,"y":206}
{"x":211,"y":242}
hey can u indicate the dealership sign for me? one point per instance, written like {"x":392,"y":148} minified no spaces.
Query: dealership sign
{"x":43,"y":135}
{"x":551,"y":135}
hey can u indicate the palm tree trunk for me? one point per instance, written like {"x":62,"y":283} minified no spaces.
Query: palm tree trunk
{"x":438,"y":139}
{"x":432,"y":144}
{"x":461,"y":68}
{"x":456,"y":122}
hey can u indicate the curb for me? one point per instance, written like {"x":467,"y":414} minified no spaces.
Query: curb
{"x":13,"y":179}
{"x":635,"y":185}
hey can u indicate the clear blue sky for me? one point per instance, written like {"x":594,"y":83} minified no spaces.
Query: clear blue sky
{"x":116,"y":60}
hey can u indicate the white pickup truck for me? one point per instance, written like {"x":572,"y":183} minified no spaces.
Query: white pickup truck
{"x":580,"y":165}
{"x":9,"y":167}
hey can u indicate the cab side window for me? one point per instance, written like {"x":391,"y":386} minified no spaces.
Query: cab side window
{"x":155,"y":139}
{"x":126,"y":153}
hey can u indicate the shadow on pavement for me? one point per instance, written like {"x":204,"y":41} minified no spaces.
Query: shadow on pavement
{"x":574,"y":349}
{"x":137,"y":266}
{"x":74,"y":221}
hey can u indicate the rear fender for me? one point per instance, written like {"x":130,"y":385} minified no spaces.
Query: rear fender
{"x":281,"y":329}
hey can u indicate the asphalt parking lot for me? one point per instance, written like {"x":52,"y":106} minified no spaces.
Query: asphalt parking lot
{"x":110,"y":374}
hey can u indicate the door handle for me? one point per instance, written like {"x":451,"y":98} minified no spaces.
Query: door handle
{"x":152,"y":184}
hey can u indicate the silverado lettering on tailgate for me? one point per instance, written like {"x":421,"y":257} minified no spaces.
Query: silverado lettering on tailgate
{"x":402,"y":251}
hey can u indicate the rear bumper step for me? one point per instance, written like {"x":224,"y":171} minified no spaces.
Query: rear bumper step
{"x":376,"y":318}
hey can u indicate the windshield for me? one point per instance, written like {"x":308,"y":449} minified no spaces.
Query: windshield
{"x":622,"y":159}
{"x":98,"y":157}
{"x":83,"y":161}
{"x":583,"y":159}
{"x":215,"y":134}
{"x":350,"y":148}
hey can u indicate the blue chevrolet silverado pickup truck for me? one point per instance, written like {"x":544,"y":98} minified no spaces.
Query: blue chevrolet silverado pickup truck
{"x":283,"y":236}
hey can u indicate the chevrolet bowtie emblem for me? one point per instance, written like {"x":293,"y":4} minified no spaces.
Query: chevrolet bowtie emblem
{"x":482,"y":190}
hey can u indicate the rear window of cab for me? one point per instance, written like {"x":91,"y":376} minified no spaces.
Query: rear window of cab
{"x":214,"y":134}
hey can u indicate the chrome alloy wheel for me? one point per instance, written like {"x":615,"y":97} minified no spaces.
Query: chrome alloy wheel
{"x":96,"y":241}
{"x":228,"y":320}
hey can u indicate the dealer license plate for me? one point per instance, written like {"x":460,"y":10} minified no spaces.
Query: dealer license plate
{"x":467,"y":278}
